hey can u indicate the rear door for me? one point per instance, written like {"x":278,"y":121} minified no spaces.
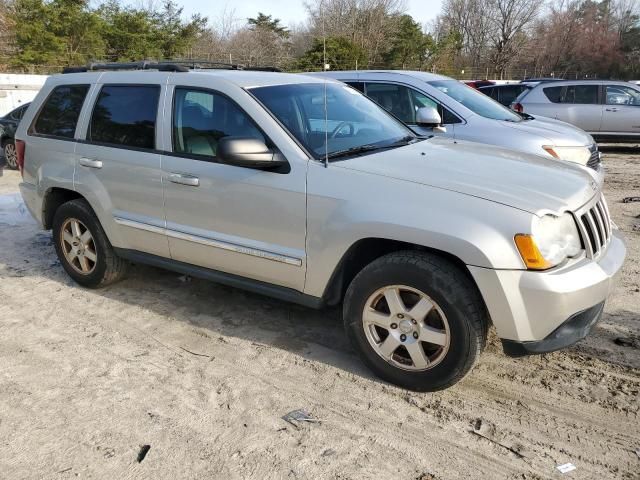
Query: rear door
{"x":119,"y":168}
{"x":622,"y":110}
{"x":580,"y":105}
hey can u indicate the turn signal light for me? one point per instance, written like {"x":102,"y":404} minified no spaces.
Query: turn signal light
{"x":530,"y":254}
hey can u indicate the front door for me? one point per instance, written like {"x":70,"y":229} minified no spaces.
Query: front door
{"x":622,"y":110}
{"x":232,"y":219}
{"x":404,"y":102}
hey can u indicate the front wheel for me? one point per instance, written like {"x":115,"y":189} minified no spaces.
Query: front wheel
{"x":10,"y":154}
{"x":416,"y":320}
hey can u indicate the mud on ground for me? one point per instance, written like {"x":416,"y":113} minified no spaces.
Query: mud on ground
{"x":202,"y":373}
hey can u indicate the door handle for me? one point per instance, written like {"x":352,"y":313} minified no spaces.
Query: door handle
{"x":183,"y":179}
{"x":611,"y":109}
{"x":88,"y":162}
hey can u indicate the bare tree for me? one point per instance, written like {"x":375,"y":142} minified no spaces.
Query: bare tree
{"x":366,"y":23}
{"x":511,"y":20}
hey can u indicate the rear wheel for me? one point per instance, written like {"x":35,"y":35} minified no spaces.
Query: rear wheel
{"x":10,"y":154}
{"x":83,"y":248}
{"x":416,"y":320}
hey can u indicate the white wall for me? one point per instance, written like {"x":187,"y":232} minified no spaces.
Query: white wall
{"x":17,"y":89}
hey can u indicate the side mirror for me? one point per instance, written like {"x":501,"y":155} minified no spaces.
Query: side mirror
{"x":428,"y":117}
{"x":247,"y":152}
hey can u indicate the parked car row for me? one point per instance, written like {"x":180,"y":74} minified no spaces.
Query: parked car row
{"x":304,"y":189}
{"x":467,"y":114}
{"x":608,"y":110}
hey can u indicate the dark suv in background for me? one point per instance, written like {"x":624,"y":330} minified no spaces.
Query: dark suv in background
{"x":8,"y":125}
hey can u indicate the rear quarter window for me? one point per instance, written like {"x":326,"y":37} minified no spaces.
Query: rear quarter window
{"x":59,"y":114}
{"x":554,"y":94}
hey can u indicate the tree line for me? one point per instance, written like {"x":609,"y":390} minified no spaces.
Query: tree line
{"x":470,"y":38}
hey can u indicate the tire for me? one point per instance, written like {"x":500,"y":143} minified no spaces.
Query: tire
{"x":10,"y":155}
{"x":103,"y":266}
{"x":439,"y":347}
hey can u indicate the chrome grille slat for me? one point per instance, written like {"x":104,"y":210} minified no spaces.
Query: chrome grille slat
{"x":594,"y":230}
{"x":599,"y":225}
{"x":594,"y":223}
{"x":602,"y":219}
{"x":594,"y":159}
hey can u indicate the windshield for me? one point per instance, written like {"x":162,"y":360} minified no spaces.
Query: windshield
{"x":475,"y":101}
{"x":353,"y":123}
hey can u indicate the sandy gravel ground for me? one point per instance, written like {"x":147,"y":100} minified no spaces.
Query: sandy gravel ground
{"x":202,"y":374}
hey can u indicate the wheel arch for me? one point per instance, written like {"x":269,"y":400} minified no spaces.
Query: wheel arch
{"x":365,"y":251}
{"x":53,"y":199}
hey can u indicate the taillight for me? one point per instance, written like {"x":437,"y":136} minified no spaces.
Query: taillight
{"x":518,"y":107}
{"x":20,"y":153}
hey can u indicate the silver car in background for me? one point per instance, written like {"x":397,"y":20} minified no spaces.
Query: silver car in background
{"x":608,"y":110}
{"x":467,"y":114}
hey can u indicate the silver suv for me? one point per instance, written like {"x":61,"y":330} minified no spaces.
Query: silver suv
{"x":306,"y":190}
{"x":608,"y":110}
{"x":463,"y":113}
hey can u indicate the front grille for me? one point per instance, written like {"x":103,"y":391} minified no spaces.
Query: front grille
{"x":595,"y":228}
{"x":594,"y":159}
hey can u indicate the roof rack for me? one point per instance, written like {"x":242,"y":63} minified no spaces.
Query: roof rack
{"x":206,"y":64}
{"x":169,"y":66}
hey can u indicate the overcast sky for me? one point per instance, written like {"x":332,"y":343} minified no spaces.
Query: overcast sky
{"x":290,"y":11}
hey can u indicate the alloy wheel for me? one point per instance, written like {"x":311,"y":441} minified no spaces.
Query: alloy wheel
{"x":78,"y":246}
{"x":10,"y":155}
{"x":406,"y":327}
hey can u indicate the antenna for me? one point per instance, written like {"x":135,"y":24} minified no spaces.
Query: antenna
{"x":324,"y":69}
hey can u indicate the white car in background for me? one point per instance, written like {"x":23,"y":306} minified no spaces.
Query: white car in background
{"x":427,"y":102}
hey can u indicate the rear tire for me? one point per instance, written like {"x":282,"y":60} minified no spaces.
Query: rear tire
{"x":10,"y":154}
{"x":416,"y":320}
{"x":83,"y":248}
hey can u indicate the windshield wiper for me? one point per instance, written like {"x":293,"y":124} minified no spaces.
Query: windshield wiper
{"x":355,"y":150}
{"x":406,"y":140}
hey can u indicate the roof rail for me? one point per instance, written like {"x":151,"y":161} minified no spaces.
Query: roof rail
{"x":161,"y":66}
{"x":168,"y":66}
{"x":206,"y":64}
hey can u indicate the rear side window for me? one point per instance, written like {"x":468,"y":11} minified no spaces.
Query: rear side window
{"x":60,"y":112}
{"x":581,"y":94}
{"x":202,"y":118}
{"x":18,"y":112}
{"x":125,"y":115}
{"x":554,"y":94}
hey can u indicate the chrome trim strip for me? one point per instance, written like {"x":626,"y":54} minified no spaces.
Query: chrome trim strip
{"x":231,"y":247}
{"x":139,"y":225}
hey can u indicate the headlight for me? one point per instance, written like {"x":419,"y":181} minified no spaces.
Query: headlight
{"x":579,"y":155}
{"x":552,"y":240}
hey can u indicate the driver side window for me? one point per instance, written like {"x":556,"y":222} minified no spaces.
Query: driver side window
{"x":622,"y":95}
{"x":404,"y":102}
{"x":202,"y":118}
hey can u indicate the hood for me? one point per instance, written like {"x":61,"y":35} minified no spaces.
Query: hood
{"x":524,"y":181}
{"x":555,"y":132}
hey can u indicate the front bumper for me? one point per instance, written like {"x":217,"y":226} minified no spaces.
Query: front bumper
{"x":527,"y":306}
{"x":573,"y":330}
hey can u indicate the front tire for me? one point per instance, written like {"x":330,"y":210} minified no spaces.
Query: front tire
{"x":83,"y":248}
{"x":10,"y":154}
{"x":416,"y":320}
